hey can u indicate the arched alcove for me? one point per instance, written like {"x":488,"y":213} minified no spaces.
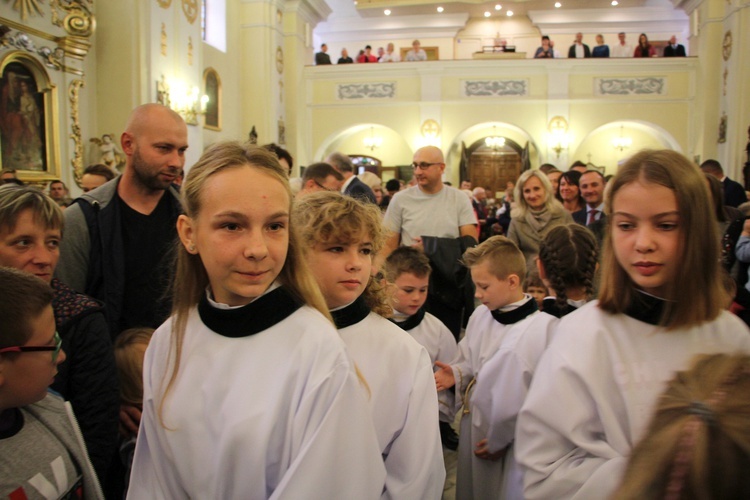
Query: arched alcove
{"x":597,"y":146}
{"x":473,"y":138}
{"x":392,"y":152}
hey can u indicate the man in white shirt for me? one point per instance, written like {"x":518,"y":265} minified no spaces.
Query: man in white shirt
{"x":622,"y":48}
{"x":390,"y":55}
{"x":579,"y":49}
{"x":416,"y":53}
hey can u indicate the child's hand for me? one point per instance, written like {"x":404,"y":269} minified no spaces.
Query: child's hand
{"x":746,"y":227}
{"x":444,"y":376}
{"x":130,"y":420}
{"x":482,"y":451}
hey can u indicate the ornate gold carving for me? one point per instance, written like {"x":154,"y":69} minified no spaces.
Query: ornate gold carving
{"x":79,"y":20}
{"x":77,"y":161}
{"x":726,"y":46}
{"x":279,"y":60}
{"x":164,"y":4}
{"x":190,"y":50}
{"x":163,"y":39}
{"x":28,"y":6}
{"x":190,"y":8}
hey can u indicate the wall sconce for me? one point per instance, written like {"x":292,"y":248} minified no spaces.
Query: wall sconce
{"x":558,"y":138}
{"x":373,"y":142}
{"x":622,"y":143}
{"x":184,"y":100}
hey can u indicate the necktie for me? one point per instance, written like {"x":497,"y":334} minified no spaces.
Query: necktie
{"x":592,"y":216}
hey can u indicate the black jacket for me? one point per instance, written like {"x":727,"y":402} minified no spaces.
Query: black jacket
{"x":88,"y":376}
{"x":572,"y":51}
{"x":360,"y":190}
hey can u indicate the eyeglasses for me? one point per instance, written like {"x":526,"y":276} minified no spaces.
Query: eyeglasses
{"x":424,"y":165}
{"x":321,"y":186}
{"x":55,"y":349}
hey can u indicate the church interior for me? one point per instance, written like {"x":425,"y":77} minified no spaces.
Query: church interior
{"x":238,"y":69}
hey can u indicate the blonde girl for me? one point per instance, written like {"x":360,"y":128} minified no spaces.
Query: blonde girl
{"x":248,"y":391}
{"x":342,"y":236}
{"x":661,"y":302}
{"x":698,"y":442}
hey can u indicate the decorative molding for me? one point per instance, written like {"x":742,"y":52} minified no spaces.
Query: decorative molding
{"x":28,"y":6}
{"x":630,"y":86}
{"x":190,"y":9}
{"x":53,"y":58}
{"x":494,"y":88}
{"x":77,"y":161}
{"x":79,"y":19}
{"x":164,"y":4}
{"x":382,"y":90}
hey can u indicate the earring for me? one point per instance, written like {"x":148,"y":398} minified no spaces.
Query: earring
{"x":191,"y":248}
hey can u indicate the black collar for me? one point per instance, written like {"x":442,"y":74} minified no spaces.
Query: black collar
{"x":351,"y":314}
{"x":646,"y":308}
{"x":412,"y":321}
{"x":517,"y":314}
{"x":259,"y":315}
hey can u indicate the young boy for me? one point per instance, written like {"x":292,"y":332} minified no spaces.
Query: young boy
{"x":407,"y":271}
{"x":534,"y":286}
{"x":41,"y":450}
{"x":507,"y":314}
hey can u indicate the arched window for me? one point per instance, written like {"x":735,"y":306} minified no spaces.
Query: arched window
{"x":214,"y":23}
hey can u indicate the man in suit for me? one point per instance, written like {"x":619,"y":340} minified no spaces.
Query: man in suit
{"x":734,"y":193}
{"x":592,"y":215}
{"x":674,"y":49}
{"x":579,"y":49}
{"x":352,"y":186}
{"x":322,"y":58}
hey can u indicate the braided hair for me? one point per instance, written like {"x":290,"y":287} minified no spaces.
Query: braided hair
{"x":569,"y":254}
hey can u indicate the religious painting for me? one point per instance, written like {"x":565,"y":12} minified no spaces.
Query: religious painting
{"x":212,"y":89}
{"x":22,"y":120}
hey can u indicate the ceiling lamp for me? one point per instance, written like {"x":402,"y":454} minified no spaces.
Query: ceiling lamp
{"x":558,"y":5}
{"x":440,"y":9}
{"x":487,"y":13}
{"x":622,"y":143}
{"x":558,"y":138}
{"x":509,"y":13}
{"x":498,"y":7}
{"x":373,"y":142}
{"x":494,"y":143}
{"x":387,"y":12}
{"x":615,"y":3}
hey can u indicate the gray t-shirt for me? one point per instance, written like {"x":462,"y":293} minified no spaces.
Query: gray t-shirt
{"x":414,"y":213}
{"x":36,"y":465}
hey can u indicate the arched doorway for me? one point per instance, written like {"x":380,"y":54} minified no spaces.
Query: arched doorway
{"x":493,"y":166}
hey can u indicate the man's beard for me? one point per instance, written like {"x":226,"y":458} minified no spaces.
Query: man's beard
{"x":142,"y":170}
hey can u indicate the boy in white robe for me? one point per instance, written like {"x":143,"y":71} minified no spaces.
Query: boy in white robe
{"x":498,"y":269}
{"x":407,"y":271}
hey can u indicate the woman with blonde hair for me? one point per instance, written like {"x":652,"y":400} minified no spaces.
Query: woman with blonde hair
{"x":537,"y":211}
{"x":248,"y":390}
{"x":698,"y":442}
{"x":342,"y":235}
{"x":611,"y":357}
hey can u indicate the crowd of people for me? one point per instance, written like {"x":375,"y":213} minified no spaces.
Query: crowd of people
{"x":238,"y":338}
{"x":389,"y":54}
{"x":623,"y":48}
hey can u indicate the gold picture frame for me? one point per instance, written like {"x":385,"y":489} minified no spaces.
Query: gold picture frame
{"x":212,"y":88}
{"x":29,"y":135}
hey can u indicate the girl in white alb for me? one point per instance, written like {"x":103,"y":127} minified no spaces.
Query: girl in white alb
{"x":597,"y":384}
{"x":248,"y":390}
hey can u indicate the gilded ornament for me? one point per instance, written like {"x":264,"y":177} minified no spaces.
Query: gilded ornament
{"x":279,"y":60}
{"x":190,"y":50}
{"x":726,"y":46}
{"x":77,"y":161}
{"x":79,"y":19}
{"x":163,"y":39}
{"x":190,"y":8}
{"x":164,"y":4}
{"x":28,"y":6}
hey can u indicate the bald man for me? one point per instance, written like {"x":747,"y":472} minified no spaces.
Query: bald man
{"x":118,"y":236}
{"x":430,"y":208}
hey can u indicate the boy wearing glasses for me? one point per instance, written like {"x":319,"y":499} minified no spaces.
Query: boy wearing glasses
{"x":41,"y":449}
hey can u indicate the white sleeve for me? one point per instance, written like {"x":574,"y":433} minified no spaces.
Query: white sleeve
{"x":466,"y":214}
{"x":560,"y":439}
{"x":392,"y":219}
{"x":414,"y":462}
{"x":336,"y":452}
{"x":502,"y":385}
